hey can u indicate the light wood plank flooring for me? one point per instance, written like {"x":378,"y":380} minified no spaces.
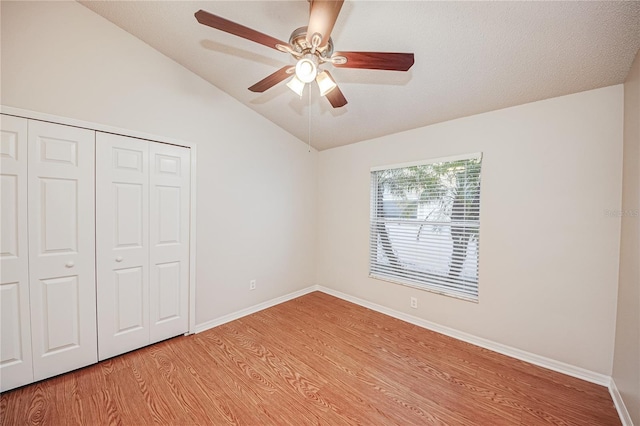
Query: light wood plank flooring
{"x":313,"y":360}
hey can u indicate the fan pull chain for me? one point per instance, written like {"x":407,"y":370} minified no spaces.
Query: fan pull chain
{"x":309,"y":138}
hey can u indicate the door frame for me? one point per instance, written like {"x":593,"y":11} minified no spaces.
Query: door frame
{"x":34,"y":115}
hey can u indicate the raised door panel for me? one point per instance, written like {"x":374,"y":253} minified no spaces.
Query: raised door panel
{"x":15,"y":328}
{"x":169,"y":234}
{"x":122,"y":173}
{"x":61,"y":248}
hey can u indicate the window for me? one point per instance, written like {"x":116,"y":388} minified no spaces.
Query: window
{"x":425,"y":223}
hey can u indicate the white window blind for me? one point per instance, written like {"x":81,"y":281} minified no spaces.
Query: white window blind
{"x":425,"y":223}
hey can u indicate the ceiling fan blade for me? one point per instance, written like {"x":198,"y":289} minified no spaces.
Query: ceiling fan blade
{"x":375,"y":60}
{"x":273,"y":79}
{"x":336,"y":98}
{"x":322,"y":18}
{"x":219,"y":23}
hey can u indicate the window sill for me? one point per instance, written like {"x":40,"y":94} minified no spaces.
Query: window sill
{"x":426,"y":287}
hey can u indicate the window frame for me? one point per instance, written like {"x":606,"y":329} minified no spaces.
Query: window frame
{"x":374,"y":223}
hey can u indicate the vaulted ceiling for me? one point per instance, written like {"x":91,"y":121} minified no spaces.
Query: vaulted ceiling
{"x":470,"y":57}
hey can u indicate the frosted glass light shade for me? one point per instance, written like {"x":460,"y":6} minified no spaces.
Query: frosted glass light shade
{"x":306,"y":70}
{"x":296,"y":85}
{"x":325,"y":83}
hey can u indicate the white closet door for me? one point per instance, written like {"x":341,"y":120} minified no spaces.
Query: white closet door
{"x":122,"y":173}
{"x":169,"y":236}
{"x":61,"y":248}
{"x":15,"y":329}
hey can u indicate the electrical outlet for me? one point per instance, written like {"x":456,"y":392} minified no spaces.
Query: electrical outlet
{"x":252,"y":285}
{"x":414,"y":302}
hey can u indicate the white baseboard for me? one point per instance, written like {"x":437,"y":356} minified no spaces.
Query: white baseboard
{"x":541,"y":361}
{"x":625,"y":417}
{"x":252,"y":309}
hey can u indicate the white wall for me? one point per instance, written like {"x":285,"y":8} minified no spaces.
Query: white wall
{"x":548,"y":252}
{"x":256,"y":183}
{"x":626,"y":364}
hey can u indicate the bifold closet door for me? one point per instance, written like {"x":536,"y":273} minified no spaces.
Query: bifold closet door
{"x":143,"y":203}
{"x":61,"y":247}
{"x":169,"y":236}
{"x":15,"y":329}
{"x":122,"y":233}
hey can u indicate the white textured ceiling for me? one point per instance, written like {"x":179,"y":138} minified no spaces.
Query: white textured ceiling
{"x":470,"y":57}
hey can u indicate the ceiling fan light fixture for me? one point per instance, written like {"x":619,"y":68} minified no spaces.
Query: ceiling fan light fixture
{"x":325,"y":83}
{"x":296,"y":85}
{"x":306,"y":70}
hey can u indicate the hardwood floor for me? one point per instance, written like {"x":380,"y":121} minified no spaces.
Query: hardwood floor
{"x":313,"y":360}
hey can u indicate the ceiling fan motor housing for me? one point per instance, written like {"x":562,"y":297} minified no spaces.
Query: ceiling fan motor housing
{"x":298,"y":41}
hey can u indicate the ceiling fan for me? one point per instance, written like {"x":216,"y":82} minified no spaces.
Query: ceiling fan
{"x":311,"y":47}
